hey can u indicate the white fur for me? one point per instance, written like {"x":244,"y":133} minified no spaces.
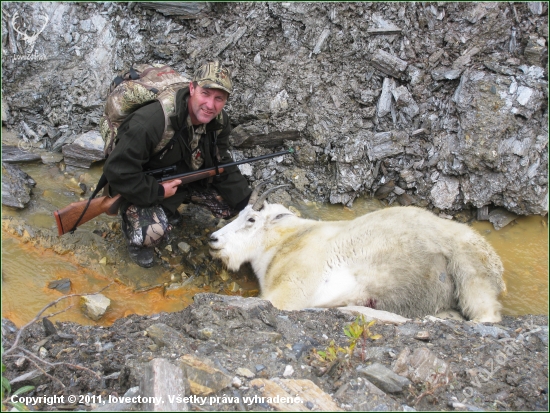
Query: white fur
{"x":400,"y":259}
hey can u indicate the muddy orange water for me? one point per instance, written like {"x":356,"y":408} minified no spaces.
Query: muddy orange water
{"x":26,"y":271}
{"x":523,"y":248}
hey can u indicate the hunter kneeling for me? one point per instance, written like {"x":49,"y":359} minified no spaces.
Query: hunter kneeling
{"x":201,"y":140}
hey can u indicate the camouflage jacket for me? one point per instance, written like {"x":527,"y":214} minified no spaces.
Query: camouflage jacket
{"x":137,"y":138}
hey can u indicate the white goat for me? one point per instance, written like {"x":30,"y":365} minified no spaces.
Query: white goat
{"x":400,"y":259}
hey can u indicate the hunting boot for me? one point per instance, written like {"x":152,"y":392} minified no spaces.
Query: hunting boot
{"x":142,"y":256}
{"x":174,"y":218}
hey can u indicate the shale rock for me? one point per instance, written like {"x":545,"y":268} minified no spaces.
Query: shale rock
{"x":63,"y":285}
{"x":500,"y":218}
{"x":163,"y":335}
{"x":16,"y":186}
{"x":14,"y":154}
{"x":335,"y":78}
{"x":422,"y":366}
{"x":203,"y":379}
{"x":251,"y":334}
{"x":86,"y":149}
{"x":384,"y":378}
{"x":284,"y":394}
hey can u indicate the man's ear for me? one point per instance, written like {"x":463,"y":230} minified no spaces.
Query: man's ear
{"x":191,"y":89}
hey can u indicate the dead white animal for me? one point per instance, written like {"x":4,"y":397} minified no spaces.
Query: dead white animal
{"x":404,"y":260}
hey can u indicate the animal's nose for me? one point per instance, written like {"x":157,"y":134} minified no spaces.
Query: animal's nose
{"x":212,"y":238}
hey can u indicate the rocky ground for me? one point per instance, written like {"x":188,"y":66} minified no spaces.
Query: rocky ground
{"x":231,"y":349}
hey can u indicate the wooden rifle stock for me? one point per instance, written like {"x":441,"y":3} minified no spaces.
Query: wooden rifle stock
{"x":66,"y":218}
{"x":78,"y":213}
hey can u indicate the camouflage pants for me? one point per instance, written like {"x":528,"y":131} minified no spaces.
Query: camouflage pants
{"x":147,"y":227}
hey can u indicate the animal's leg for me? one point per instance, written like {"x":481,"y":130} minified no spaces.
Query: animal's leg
{"x":477,"y":298}
{"x":284,"y":300}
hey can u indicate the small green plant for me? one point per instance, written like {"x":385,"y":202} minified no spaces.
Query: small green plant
{"x":331,"y":353}
{"x":359,"y":330}
{"x":6,"y":391}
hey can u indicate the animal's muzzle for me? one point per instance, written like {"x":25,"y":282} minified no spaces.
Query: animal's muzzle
{"x":212,"y":240}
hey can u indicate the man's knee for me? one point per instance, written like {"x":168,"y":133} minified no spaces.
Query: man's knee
{"x":145,"y":227}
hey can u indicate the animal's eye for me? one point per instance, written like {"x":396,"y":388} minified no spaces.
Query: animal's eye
{"x":251,"y":220}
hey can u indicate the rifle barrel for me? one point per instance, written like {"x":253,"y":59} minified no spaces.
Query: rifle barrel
{"x":77,"y":213}
{"x":226,"y":165}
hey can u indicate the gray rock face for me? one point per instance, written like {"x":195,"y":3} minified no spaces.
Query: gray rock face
{"x":500,"y":218}
{"x":388,"y":63}
{"x":385,"y":144}
{"x":351,"y":82}
{"x":174,"y":8}
{"x":16,"y":186}
{"x":85,"y":150}
{"x":13,"y":154}
{"x":5,"y":111}
{"x":445,"y":192}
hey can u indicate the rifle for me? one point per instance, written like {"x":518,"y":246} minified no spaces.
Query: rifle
{"x":78,"y":213}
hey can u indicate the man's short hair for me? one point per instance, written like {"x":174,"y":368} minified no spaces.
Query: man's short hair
{"x":213,"y":76}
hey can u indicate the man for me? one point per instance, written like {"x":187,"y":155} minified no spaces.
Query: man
{"x":201,"y":141}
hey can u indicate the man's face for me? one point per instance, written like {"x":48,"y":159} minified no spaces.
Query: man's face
{"x":205,"y":104}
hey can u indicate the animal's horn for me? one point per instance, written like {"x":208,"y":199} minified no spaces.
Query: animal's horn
{"x":258,"y":204}
{"x":256,"y":192}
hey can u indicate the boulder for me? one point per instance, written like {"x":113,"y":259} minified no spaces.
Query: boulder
{"x":94,"y":306}
{"x":164,"y":335}
{"x":85,"y":150}
{"x":18,"y":154}
{"x":384,"y":378}
{"x":203,"y":378}
{"x":422,"y":366}
{"x":162,"y":381}
{"x":16,"y":186}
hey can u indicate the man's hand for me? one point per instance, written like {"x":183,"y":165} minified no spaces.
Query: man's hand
{"x":170,"y":187}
